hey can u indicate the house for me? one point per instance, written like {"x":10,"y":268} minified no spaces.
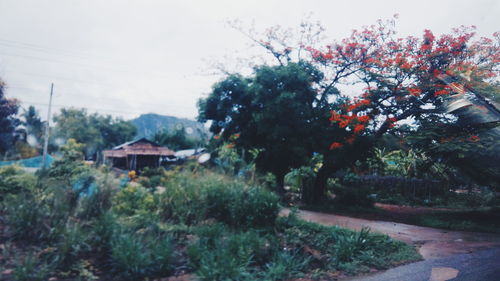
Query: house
{"x":136,"y":155}
{"x":182,"y":154}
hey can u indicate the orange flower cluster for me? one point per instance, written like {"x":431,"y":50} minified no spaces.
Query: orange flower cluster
{"x":441,"y":92}
{"x":335,"y":145}
{"x":415,"y":92}
{"x":474,"y":138}
{"x":358,"y":128}
{"x":363,"y":102}
{"x":391,"y":121}
{"x":364,"y":118}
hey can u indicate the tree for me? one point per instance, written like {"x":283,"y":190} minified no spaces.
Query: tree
{"x":174,"y":140}
{"x":96,"y":132}
{"x":408,"y":78}
{"x":8,"y":110}
{"x":275,"y":110}
{"x":405,"y":79}
{"x":34,"y":126}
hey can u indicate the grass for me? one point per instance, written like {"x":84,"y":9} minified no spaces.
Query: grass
{"x":212,"y":226}
{"x":476,"y":220}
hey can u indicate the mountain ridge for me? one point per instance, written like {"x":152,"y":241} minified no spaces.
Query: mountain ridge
{"x":150,"y":123}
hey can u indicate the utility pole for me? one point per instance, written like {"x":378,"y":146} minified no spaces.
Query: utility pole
{"x":47,"y":126}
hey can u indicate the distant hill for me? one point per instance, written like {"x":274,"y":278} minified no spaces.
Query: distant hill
{"x":148,"y":124}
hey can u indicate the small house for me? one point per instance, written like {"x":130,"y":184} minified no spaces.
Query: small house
{"x":136,"y":155}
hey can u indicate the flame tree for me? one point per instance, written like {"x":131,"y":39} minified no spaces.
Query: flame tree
{"x":403,"y":80}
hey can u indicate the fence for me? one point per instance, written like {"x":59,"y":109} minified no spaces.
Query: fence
{"x":35,"y":162}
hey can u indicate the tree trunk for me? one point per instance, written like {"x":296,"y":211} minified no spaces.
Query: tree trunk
{"x":280,"y":184}
{"x":318,"y":191}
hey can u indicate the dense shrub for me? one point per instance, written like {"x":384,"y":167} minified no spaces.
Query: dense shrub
{"x":73,"y":241}
{"x":190,"y":200}
{"x":14,"y":180}
{"x":183,"y":200}
{"x":342,"y":249}
{"x":134,"y":257}
{"x":26,"y":217}
{"x":31,"y":268}
{"x":353,"y":196}
{"x":133,"y":198}
{"x":227,"y":256}
{"x":99,"y":201}
{"x":241,"y":206}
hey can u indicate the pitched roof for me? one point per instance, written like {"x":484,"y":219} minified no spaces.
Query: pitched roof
{"x":140,"y":146}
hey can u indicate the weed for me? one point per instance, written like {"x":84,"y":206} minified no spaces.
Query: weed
{"x":31,"y":269}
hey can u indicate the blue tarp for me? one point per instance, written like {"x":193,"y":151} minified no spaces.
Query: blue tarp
{"x":35,"y":162}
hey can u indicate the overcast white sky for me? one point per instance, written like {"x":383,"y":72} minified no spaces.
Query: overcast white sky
{"x":127,"y":57}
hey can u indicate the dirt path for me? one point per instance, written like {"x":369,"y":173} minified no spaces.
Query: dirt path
{"x":432,"y":243}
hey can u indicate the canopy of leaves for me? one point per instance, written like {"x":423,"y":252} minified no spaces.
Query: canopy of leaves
{"x":175,"y":140}
{"x":8,"y":110}
{"x":96,"y":132}
{"x":406,"y":80}
{"x":276,"y":110}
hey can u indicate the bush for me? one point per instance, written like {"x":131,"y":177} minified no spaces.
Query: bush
{"x":344,"y":249}
{"x":26,"y":217}
{"x":134,"y":257}
{"x":95,"y":204}
{"x":133,"y":198}
{"x":226,"y":257}
{"x":72,"y":243}
{"x":241,"y":206}
{"x":14,"y":180}
{"x":184,"y":200}
{"x":31,"y":268}
{"x":353,"y":196}
{"x":104,"y":228}
{"x":190,"y":200}
{"x":284,"y":265}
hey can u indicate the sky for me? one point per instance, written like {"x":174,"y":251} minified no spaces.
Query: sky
{"x":129,"y":57}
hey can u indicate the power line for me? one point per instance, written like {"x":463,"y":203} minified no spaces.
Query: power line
{"x":52,"y":51}
{"x":63,"y":62}
{"x":63,"y":78}
{"x":129,"y":68}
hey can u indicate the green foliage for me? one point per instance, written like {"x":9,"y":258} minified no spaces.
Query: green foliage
{"x":353,"y":196}
{"x":132,"y":199}
{"x":26,"y":218}
{"x":149,"y":124}
{"x":99,"y":201}
{"x":135,"y":257}
{"x":14,"y":180}
{"x":284,"y":265}
{"x":275,"y":111}
{"x":34,"y":124}
{"x":151,"y":177}
{"x":183,"y":200}
{"x":31,"y":268}
{"x":189,"y":200}
{"x":94,"y":131}
{"x":175,"y":140}
{"x":72,"y":243}
{"x":220,"y":228}
{"x":228,"y":160}
{"x":242,"y":207}
{"x":226,"y":256}
{"x":8,"y":110}
{"x":341,"y":248}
